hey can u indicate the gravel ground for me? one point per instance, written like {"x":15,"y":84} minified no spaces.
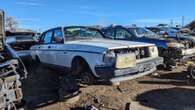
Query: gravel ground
{"x":169,"y":91}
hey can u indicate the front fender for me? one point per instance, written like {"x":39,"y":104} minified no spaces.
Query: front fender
{"x":92,"y":60}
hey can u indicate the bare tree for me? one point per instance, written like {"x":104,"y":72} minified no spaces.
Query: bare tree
{"x":11,"y":23}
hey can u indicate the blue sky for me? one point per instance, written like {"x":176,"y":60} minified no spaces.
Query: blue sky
{"x":43,"y":14}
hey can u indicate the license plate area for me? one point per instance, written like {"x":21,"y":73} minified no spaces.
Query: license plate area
{"x":125,"y":61}
{"x":146,"y":67}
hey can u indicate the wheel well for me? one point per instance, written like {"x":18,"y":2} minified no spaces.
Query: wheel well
{"x":81,"y":59}
{"x":37,"y":58}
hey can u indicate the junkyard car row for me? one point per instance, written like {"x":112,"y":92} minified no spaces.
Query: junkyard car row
{"x":113,"y":54}
{"x":171,"y":48}
{"x":84,"y":50}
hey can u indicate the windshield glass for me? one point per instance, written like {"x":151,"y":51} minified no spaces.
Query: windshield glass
{"x":75,"y":33}
{"x":141,"y":32}
{"x":171,"y":30}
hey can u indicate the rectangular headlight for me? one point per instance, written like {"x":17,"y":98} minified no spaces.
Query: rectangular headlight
{"x":125,"y":60}
{"x":153,"y":50}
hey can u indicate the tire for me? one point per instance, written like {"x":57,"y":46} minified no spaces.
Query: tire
{"x":169,"y":68}
{"x":191,"y":72}
{"x":81,"y":69}
{"x":22,"y":105}
{"x":88,"y":78}
{"x":36,"y":61}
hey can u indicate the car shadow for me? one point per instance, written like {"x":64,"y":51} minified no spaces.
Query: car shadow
{"x":168,"y":99}
{"x":172,"y":78}
{"x":41,"y":86}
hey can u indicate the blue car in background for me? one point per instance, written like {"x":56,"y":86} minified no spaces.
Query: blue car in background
{"x":174,"y":33}
{"x":171,"y":49}
{"x":169,"y":31}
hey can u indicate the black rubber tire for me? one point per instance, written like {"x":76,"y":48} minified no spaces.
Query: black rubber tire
{"x":88,"y":78}
{"x":191,"y":72}
{"x":22,"y":105}
{"x":36,"y":62}
{"x":168,"y":68}
{"x":37,"y":59}
{"x":81,"y":69}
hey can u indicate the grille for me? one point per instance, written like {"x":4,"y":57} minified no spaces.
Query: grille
{"x":142,"y":52}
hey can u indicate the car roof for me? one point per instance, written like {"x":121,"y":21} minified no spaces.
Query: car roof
{"x":62,"y":27}
{"x":115,"y":26}
{"x":135,"y":27}
{"x":71,"y":27}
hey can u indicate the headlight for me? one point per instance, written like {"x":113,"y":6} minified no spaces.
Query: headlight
{"x":153,"y":51}
{"x":176,"y":45}
{"x":109,"y":57}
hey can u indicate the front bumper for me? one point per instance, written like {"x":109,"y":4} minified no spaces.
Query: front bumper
{"x":188,"y":51}
{"x":142,"y":68}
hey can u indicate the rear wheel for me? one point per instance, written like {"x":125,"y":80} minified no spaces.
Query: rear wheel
{"x":36,"y":61}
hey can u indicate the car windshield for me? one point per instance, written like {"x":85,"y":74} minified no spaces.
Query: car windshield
{"x":141,"y":32}
{"x":171,"y":30}
{"x":75,"y":33}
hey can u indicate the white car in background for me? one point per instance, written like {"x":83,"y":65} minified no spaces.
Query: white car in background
{"x":84,"y":51}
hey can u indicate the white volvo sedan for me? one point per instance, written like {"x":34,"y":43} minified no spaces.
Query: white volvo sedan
{"x":84,"y":51}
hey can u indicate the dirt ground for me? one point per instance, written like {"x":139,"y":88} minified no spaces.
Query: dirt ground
{"x":169,"y":91}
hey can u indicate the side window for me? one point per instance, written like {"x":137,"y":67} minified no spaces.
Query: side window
{"x":41,"y":38}
{"x":122,"y":34}
{"x":47,"y":37}
{"x":57,"y":36}
{"x":109,"y":33}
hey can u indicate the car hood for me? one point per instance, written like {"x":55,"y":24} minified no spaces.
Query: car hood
{"x":110,"y":44}
{"x":184,"y":36}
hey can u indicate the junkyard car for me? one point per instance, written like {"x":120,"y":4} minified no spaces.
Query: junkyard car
{"x":172,"y":34}
{"x":11,"y":72}
{"x":21,"y":40}
{"x":85,"y":52}
{"x":187,"y":31}
{"x":170,"y":49}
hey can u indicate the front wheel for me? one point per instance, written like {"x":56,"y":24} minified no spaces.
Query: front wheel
{"x":88,"y":78}
{"x":81,"y":70}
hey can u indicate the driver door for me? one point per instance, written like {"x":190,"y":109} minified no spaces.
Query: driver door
{"x":44,"y":52}
{"x":58,"y":48}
